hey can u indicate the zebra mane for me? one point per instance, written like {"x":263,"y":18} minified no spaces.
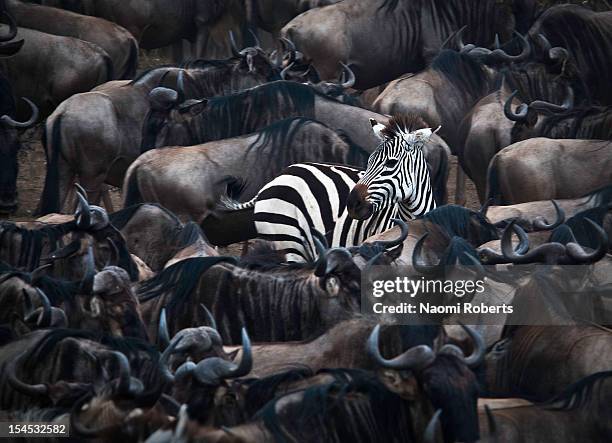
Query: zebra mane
{"x":399,"y":124}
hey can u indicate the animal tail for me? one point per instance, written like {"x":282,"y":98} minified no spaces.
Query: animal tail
{"x":132,"y":62}
{"x":234,"y":186}
{"x":50,"y":198}
{"x":131,"y":190}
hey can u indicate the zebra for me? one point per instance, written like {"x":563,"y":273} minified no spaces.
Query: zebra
{"x":347,"y":204}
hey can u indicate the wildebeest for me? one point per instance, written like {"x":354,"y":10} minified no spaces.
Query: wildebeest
{"x":273,"y":300}
{"x":207,"y":168}
{"x":116,"y":41}
{"x":587,"y":36}
{"x":527,"y":213}
{"x":51,"y":68}
{"x":162,"y":22}
{"x":513,"y":366}
{"x":403,"y":36}
{"x":446,"y":91}
{"x":156,"y":235}
{"x":560,"y":122}
{"x":543,"y":169}
{"x":119,"y":110}
{"x":9,"y":142}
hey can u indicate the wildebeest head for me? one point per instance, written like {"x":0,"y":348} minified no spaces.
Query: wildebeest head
{"x":9,"y":146}
{"x":527,"y":116}
{"x":111,"y":306}
{"x":446,"y":379}
{"x":396,"y":172}
{"x":254,"y":60}
{"x":204,"y":385}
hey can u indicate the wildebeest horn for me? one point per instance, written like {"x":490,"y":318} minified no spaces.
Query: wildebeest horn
{"x":83,"y":214}
{"x":12,"y":27}
{"x":255,"y":39}
{"x":81,"y":191}
{"x":165,"y":357}
{"x":575,"y":251}
{"x":210,"y":318}
{"x":349,"y":81}
{"x":235,"y":50}
{"x":429,"y":436}
{"x":546,"y":250}
{"x":283,"y":73}
{"x":399,"y":240}
{"x":459,"y":38}
{"x":542,"y":224}
{"x":321,"y":263}
{"x":86,"y":286}
{"x":546,"y":107}
{"x":521,"y":112}
{"x":500,"y":55}
{"x":556,"y":54}
{"x":477,"y":356}
{"x":163,"y":336}
{"x":485,"y":207}
{"x":15,"y":124}
{"x":44,"y":318}
{"x":288,"y":44}
{"x":214,"y":369}
{"x":496,"y":43}
{"x":321,"y":237}
{"x":476,"y":263}
{"x":113,"y":257}
{"x":421,"y":268}
{"x":417,"y":357}
{"x":20,"y":386}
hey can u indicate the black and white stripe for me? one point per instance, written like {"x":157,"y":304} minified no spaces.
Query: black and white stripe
{"x":314,"y":195}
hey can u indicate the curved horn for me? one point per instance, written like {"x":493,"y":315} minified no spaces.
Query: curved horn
{"x":165,"y":357}
{"x":113,"y":258}
{"x":288,"y":44}
{"x":255,"y":39}
{"x":12,"y":27}
{"x":283,"y":73}
{"x":549,"y":108}
{"x":81,"y":191}
{"x":235,"y":50}
{"x":417,"y":358}
{"x":429,"y":436}
{"x":15,"y":124}
{"x":349,"y":81}
{"x":321,"y":263}
{"x":523,"y":245}
{"x":556,"y":54}
{"x":399,"y":240}
{"x":416,"y":254}
{"x":543,"y":251}
{"x":86,"y":286}
{"x":575,"y":251}
{"x":163,"y":336}
{"x":83,"y":214}
{"x":459,"y":38}
{"x":321,"y":237}
{"x":18,"y":385}
{"x":521,"y":111}
{"x":480,"y":347}
{"x":210,"y":318}
{"x":541,"y":223}
{"x":214,"y":369}
{"x":499,"y":55}
{"x":485,"y":207}
{"x":44,"y":319}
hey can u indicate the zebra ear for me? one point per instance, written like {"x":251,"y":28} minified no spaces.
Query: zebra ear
{"x":377,"y":128}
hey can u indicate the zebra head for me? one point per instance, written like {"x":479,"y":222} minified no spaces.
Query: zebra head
{"x":397,"y":172}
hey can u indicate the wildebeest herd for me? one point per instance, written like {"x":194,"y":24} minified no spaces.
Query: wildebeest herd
{"x":318,"y":134}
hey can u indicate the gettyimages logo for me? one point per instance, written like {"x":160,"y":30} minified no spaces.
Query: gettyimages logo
{"x":520,"y":295}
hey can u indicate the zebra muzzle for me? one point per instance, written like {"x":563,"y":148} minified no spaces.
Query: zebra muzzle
{"x":357,"y":205}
